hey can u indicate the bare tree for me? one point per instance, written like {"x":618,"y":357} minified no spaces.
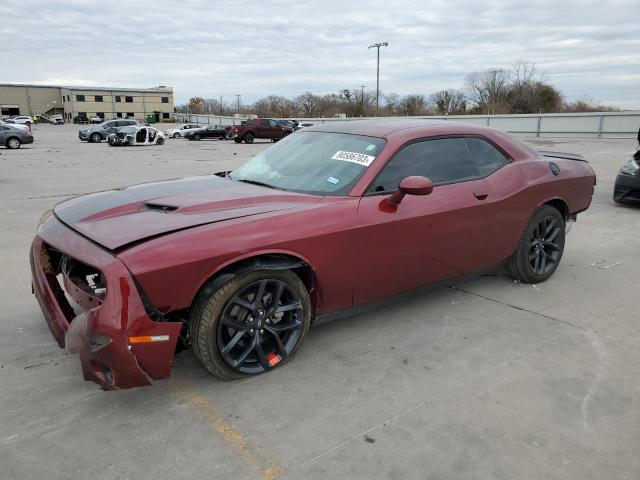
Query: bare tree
{"x":308,"y":103}
{"x":449,"y":101}
{"x":413,"y":105}
{"x":488,"y":90}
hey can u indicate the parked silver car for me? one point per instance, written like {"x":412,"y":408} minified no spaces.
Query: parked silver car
{"x":12,"y":137}
{"x":101,"y":132}
{"x":181,"y":130}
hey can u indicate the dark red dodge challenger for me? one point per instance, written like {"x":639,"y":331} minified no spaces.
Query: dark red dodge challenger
{"x":238,"y":265}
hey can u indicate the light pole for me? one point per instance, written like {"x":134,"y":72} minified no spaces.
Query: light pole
{"x":377,"y":46}
{"x":362,"y":100}
{"x":238,"y":96}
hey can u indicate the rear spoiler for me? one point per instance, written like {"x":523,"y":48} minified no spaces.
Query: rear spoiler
{"x":566,"y":156}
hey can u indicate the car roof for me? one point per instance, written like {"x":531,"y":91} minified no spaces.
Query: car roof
{"x":402,"y":130}
{"x":379,"y":128}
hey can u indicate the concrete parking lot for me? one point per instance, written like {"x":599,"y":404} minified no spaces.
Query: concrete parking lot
{"x":487,"y":378}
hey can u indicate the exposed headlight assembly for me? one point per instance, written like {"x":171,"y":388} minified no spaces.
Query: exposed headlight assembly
{"x":630,"y":166}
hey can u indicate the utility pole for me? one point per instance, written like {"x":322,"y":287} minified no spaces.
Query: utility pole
{"x":362,"y":100}
{"x":377,"y":46}
{"x":238,"y":101}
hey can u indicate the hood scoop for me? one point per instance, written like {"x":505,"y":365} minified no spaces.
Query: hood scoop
{"x":156,"y":207}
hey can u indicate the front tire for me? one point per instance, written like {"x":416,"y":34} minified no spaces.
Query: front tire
{"x":252,"y":324}
{"x":160,"y":141}
{"x":540,"y":249}
{"x":13,"y":142}
{"x":197,"y":136}
{"x":95,"y":138}
{"x":237,"y":140}
{"x":176,"y":135}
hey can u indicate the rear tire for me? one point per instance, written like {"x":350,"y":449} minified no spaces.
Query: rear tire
{"x":248,"y":137}
{"x":254,"y":337}
{"x":13,"y":143}
{"x":540,"y":249}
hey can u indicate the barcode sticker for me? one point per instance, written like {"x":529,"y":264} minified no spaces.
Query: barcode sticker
{"x":353,"y":157}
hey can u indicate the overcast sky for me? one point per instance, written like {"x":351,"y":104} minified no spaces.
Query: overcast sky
{"x":255,"y":48}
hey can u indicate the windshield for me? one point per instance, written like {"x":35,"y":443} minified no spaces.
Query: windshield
{"x":313,"y":162}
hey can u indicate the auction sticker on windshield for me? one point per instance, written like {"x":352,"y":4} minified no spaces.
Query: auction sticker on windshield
{"x":359,"y":158}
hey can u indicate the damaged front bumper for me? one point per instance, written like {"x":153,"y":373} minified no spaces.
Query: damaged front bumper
{"x":119,"y":345}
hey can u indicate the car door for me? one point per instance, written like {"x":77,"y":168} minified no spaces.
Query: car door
{"x":425,"y":238}
{"x":507,"y":201}
{"x":264,"y":128}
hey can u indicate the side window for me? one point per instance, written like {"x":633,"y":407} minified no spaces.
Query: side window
{"x":265,"y":123}
{"x":487,"y":157}
{"x":445,"y":160}
{"x":251,"y":121}
{"x":273,"y":123}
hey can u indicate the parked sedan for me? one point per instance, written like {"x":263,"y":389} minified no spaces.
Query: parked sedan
{"x":19,"y":126}
{"x":238,"y":266}
{"x":627,"y":186}
{"x":182,"y":130}
{"x":212,"y":131}
{"x":12,"y":137}
{"x":100,"y":132}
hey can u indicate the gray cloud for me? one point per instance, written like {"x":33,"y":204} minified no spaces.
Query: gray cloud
{"x":209,"y":48}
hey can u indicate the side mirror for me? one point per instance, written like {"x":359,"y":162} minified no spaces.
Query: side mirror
{"x":411,"y":186}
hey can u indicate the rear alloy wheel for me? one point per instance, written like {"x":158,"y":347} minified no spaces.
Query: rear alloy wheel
{"x":248,"y":138}
{"x":13,"y":142}
{"x":95,"y":138}
{"x":197,"y":136}
{"x":237,"y":140}
{"x":251,"y":324}
{"x":541,"y":246}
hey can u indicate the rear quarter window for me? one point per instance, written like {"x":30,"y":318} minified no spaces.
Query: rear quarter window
{"x":487,"y":157}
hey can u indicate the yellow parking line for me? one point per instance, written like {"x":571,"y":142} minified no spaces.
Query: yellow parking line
{"x":265,"y":468}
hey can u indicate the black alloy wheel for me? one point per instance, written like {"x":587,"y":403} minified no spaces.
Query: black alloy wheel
{"x":260,"y":326}
{"x":541,"y":247}
{"x":251,"y":324}
{"x":95,"y":138}
{"x":544,"y":247}
{"x":248,"y":138}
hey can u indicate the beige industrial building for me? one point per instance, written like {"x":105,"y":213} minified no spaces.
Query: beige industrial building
{"x":107,"y":103}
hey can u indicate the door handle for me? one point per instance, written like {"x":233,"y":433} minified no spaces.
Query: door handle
{"x":481,"y":194}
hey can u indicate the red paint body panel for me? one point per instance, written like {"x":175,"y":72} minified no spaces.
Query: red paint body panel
{"x":121,"y":315}
{"x":174,"y":236}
